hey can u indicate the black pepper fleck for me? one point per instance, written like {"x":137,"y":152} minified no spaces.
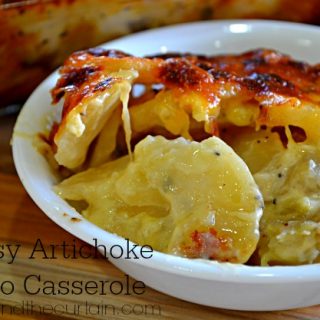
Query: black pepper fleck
{"x":274,"y":201}
{"x":279,"y":175}
{"x":217,"y":153}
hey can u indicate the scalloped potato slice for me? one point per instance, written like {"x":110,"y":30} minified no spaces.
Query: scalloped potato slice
{"x":84,"y":122}
{"x":165,"y":110}
{"x":191,"y":199}
{"x":172,"y":110}
{"x":106,"y":140}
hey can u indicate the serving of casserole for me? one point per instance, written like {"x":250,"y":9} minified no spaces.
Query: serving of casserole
{"x":211,"y":157}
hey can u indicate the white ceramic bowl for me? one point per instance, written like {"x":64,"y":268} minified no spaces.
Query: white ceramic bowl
{"x":209,"y":283}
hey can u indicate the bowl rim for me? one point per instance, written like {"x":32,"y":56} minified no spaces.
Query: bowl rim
{"x":194,"y":268}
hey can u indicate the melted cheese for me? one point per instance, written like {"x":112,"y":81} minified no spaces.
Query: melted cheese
{"x":185,"y":198}
{"x":125,"y":89}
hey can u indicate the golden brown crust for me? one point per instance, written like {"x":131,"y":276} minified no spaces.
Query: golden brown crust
{"x":267,"y":76}
{"x":82,"y":75}
{"x":262,"y":71}
{"x":86,"y":72}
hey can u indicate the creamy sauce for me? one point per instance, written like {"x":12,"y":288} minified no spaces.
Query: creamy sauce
{"x":290,"y":226}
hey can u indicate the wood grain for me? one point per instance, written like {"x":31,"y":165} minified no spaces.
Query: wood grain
{"x":23,"y":223}
{"x":6,"y":127}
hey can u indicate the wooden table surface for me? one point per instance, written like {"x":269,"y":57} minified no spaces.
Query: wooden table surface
{"x":22,"y":223}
